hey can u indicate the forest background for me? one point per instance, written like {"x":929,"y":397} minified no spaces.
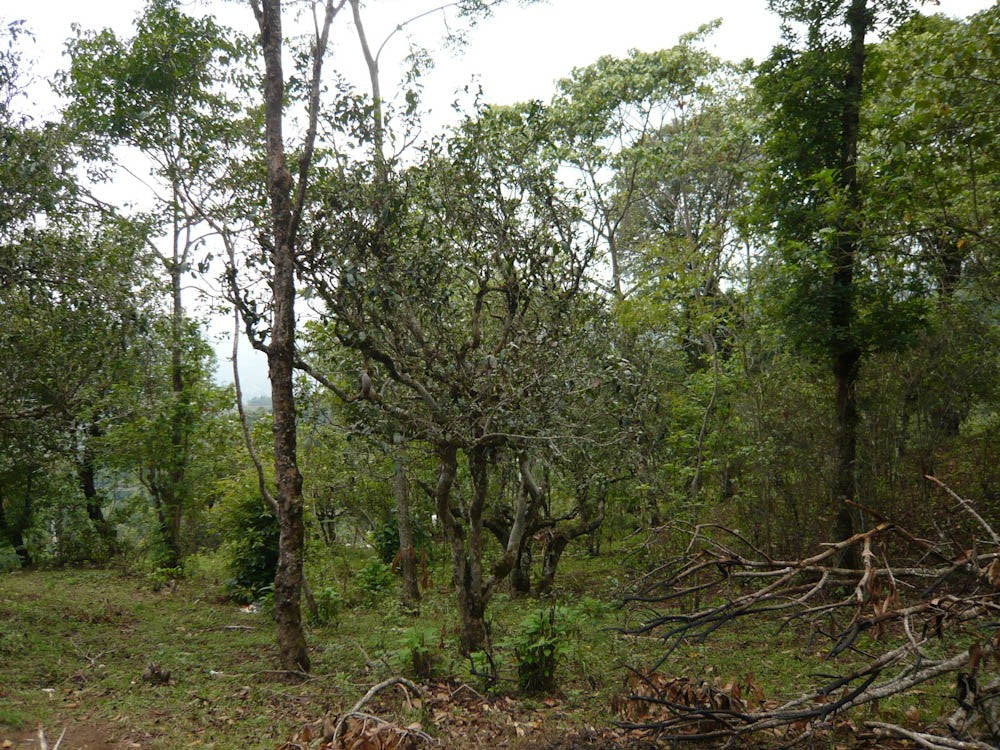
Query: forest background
{"x":680,"y":292}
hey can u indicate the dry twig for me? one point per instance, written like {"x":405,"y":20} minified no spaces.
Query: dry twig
{"x":44,"y":743}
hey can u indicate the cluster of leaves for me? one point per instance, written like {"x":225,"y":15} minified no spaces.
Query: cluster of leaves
{"x":539,"y":645}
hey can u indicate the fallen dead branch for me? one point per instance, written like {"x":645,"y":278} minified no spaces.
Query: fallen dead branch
{"x":949,"y":599}
{"x":371,"y":729}
{"x":930,"y":741}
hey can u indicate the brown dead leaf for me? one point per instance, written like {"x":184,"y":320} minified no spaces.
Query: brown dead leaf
{"x":992,"y":573}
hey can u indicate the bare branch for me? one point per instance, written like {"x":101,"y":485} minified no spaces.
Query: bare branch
{"x":967,"y":507}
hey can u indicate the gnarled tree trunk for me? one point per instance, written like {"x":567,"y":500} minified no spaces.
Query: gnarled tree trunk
{"x":590,"y":520}
{"x":473,"y":588}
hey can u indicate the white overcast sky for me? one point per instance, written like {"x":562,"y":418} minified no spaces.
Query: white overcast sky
{"x":516,"y":55}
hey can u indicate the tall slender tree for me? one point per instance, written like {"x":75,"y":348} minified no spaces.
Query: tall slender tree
{"x":814,"y":202}
{"x":286,"y":198}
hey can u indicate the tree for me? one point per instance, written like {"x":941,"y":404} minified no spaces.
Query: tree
{"x":286,"y":198}
{"x":813,"y":202}
{"x":458,"y":300}
{"x":140,"y":438}
{"x":73,"y":288}
{"x":160,"y":92}
{"x":651,"y":136}
{"x":662,"y":146}
{"x":933,"y":150}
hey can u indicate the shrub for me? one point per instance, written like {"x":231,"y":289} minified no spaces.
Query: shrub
{"x":164,"y":577}
{"x":250,"y":531}
{"x":373,"y":580}
{"x":385,"y":538}
{"x":329,"y":604}
{"x":9,"y":561}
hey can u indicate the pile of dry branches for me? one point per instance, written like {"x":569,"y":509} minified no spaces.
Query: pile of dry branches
{"x":935,"y":617}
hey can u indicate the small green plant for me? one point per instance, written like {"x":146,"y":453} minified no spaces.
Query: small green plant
{"x":265,"y":600}
{"x":483,"y":670}
{"x":539,"y":645}
{"x":418,"y":653}
{"x":161,"y":578}
{"x":374,"y":579}
{"x":329,"y":604}
{"x":593,"y":608}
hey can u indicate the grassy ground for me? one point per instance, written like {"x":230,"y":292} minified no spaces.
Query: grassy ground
{"x":75,"y":646}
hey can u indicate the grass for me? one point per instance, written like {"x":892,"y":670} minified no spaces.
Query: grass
{"x":74,"y":645}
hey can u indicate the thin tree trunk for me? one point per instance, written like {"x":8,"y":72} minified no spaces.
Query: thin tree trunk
{"x":179,"y":408}
{"x":407,"y":553}
{"x":24,"y":522}
{"x":280,"y":351}
{"x":846,"y":354}
{"x":554,"y":548}
{"x":559,"y":538}
{"x":520,"y":576}
{"x":87,"y":476}
{"x":163,"y":504}
{"x":473,"y":632}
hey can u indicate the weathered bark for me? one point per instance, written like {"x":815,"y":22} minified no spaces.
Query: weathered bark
{"x":503,"y":523}
{"x":520,"y":575}
{"x":407,"y":553}
{"x":473,"y":603}
{"x":844,"y":349}
{"x":473,"y":629}
{"x":500,"y":523}
{"x":529,"y":506}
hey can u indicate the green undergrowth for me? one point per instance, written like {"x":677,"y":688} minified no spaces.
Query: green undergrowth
{"x":74,"y":646}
